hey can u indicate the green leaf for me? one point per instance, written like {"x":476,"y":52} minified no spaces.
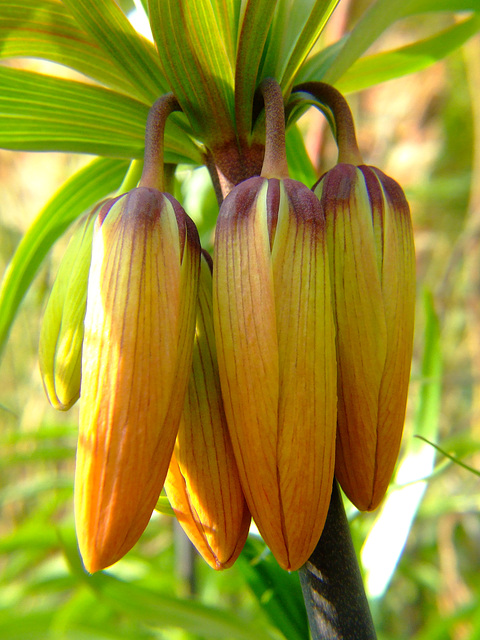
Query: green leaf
{"x":84,"y":189}
{"x":426,"y":6}
{"x":256,"y":18}
{"x":33,"y":29}
{"x":450,"y":456}
{"x":44,"y":113}
{"x":123,"y":46}
{"x":227,"y":13}
{"x":374,"y":69}
{"x":299,"y":164}
{"x":277,"y":591}
{"x":27,"y":625}
{"x":164,"y":611}
{"x":376,"y":20}
{"x":321,"y":12}
{"x":292,"y":36}
{"x":158,"y":610}
{"x":196,"y":63}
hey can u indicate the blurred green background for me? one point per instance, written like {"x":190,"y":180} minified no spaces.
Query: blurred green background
{"x":423,"y":130}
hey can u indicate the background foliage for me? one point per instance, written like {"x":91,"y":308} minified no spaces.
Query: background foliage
{"x":424,"y":130}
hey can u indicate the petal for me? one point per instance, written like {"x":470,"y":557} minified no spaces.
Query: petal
{"x":398,"y":289}
{"x":203,"y":484}
{"x":246,"y":337}
{"x":307,"y":363}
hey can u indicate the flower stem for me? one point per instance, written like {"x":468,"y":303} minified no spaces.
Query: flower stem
{"x":275,"y":160}
{"x":153,"y":174}
{"x":332,"y":585}
{"x":327,"y":95}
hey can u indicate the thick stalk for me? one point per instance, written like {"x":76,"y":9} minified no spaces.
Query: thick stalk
{"x":327,"y":95}
{"x":332,"y":585}
{"x":153,"y":174}
{"x":275,"y":160}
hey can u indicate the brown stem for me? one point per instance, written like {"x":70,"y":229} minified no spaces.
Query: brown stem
{"x":327,"y":95}
{"x":275,"y":160}
{"x":153,"y":174}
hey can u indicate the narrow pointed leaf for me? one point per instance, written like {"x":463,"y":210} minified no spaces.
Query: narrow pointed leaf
{"x":80,"y":192}
{"x":196,"y":64}
{"x":283,"y":603}
{"x":111,"y":29}
{"x":47,"y":30}
{"x":165,"y":611}
{"x":376,"y":20}
{"x":256,"y":18}
{"x":295,"y":29}
{"x":321,"y":12}
{"x":227,"y":13}
{"x":380,"y":67}
{"x":44,"y":113}
{"x":299,"y":164}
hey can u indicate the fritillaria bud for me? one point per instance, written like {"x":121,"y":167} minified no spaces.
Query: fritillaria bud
{"x":276,"y":354}
{"x":372,"y":266}
{"x":276,"y":347}
{"x":61,"y":336}
{"x":203,"y":484}
{"x":137,"y":351}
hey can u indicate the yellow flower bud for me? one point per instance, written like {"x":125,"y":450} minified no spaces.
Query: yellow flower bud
{"x":276,"y":352}
{"x":139,"y":328}
{"x":203,"y":485}
{"x":372,"y":266}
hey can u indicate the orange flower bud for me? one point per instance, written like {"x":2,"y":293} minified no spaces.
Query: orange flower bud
{"x":276,"y":352}
{"x":372,"y":266}
{"x":136,"y":361}
{"x":203,"y":485}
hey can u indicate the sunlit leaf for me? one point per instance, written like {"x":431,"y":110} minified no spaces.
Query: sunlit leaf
{"x":450,"y":457}
{"x":44,"y":113}
{"x":295,"y":28}
{"x":196,"y":62}
{"x":161,"y":611}
{"x":300,"y":165}
{"x":256,"y":18}
{"x":88,"y":186}
{"x":384,"y":66}
{"x":278,"y":592}
{"x":376,"y":20}
{"x":33,"y":29}
{"x":112,"y":31}
{"x":320,"y":13}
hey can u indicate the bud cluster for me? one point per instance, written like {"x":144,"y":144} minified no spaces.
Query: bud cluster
{"x":244,"y":385}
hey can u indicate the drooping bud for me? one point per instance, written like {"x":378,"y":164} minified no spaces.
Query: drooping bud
{"x":276,"y":348}
{"x":203,"y":484}
{"x":137,"y":352}
{"x":372,"y":265}
{"x":61,"y":336}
